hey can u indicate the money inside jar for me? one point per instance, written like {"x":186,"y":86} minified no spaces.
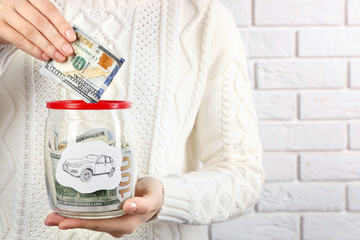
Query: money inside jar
{"x":88,"y":72}
{"x":71,"y":196}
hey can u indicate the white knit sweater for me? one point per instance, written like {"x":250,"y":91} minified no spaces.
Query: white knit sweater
{"x":186,"y":76}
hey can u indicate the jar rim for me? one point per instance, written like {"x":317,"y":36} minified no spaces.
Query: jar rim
{"x":81,"y":105}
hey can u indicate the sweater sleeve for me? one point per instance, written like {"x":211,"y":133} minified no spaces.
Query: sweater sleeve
{"x":6,"y":52}
{"x":227,"y":140}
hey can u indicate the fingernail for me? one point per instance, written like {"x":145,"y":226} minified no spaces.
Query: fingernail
{"x":47,"y":223}
{"x":59,"y":57}
{"x":63,"y":226}
{"x":45,"y":57}
{"x":131,"y":207}
{"x":70,"y":35}
{"x":67,"y":49}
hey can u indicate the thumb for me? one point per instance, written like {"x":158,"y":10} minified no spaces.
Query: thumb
{"x":148,"y":198}
{"x":138,"y":206}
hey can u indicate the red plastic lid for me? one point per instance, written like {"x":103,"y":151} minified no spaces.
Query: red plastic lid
{"x":81,"y":105}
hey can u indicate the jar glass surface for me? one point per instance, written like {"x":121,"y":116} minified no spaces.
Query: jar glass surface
{"x":89,"y":161}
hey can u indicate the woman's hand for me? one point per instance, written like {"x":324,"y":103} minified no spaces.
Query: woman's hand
{"x":36,"y":27}
{"x":146,"y":203}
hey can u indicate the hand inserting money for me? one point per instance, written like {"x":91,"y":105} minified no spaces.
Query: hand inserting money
{"x":36,"y":27}
{"x":89,"y":71}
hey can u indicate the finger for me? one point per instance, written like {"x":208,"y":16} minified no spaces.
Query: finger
{"x":55,"y":17}
{"x":125,"y":224}
{"x":148,"y":198}
{"x":2,"y":41}
{"x":139,"y":206}
{"x":53,"y":219}
{"x":39,"y":21}
{"x":33,"y":35}
{"x":13,"y":37}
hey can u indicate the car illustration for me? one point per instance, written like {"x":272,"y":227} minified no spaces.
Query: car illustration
{"x":89,"y":165}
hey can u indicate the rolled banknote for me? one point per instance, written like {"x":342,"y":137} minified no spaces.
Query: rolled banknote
{"x":88,"y":72}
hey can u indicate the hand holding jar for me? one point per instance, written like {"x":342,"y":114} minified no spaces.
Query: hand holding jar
{"x":139,"y":209}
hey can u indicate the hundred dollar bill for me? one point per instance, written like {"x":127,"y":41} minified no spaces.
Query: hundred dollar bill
{"x":96,"y":134}
{"x":88,"y":72}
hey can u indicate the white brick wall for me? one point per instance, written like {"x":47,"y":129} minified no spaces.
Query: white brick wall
{"x":280,"y":167}
{"x":295,"y":197}
{"x":353,"y":17}
{"x":332,"y":167}
{"x":330,"y":105}
{"x":329,"y":42}
{"x":353,"y":197}
{"x":304,"y":61}
{"x":303,"y":136}
{"x":275,"y":106}
{"x":355,"y":73}
{"x":268,"y":43}
{"x":299,"y":12}
{"x":354,"y":132}
{"x":259,"y":227}
{"x":341,"y":226}
{"x":295,"y":74}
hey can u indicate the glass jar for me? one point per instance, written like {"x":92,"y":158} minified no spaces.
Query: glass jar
{"x":89,"y":165}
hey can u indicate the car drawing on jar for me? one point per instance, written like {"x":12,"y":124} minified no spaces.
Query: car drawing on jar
{"x":89,"y":165}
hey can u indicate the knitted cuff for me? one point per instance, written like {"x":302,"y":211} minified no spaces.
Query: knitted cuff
{"x":176,"y":202}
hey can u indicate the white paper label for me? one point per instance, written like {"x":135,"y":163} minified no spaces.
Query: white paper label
{"x":90,"y":167}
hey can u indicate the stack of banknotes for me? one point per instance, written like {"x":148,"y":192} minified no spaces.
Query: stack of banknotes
{"x":68,"y":198}
{"x":89,"y":71}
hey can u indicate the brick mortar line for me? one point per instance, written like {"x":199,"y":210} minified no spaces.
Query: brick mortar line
{"x":297,"y":214}
{"x":296,"y":47}
{"x":315,"y":212}
{"x":293,"y":122}
{"x":255,"y":76}
{"x":329,"y":57}
{"x":312,"y":182}
{"x":252,"y":3}
{"x":315,"y":121}
{"x":287,"y":214}
{"x":347,"y":199}
{"x":348,"y":139}
{"x":316,"y":151}
{"x":298,"y":165}
{"x":348,"y":76}
{"x":308,"y":121}
{"x":298,"y":106}
{"x":346,"y":14}
{"x":320,"y":182}
{"x":301,"y":228}
{"x":299,"y":27}
{"x":355,"y":151}
{"x":313,"y":90}
{"x":304,"y":59}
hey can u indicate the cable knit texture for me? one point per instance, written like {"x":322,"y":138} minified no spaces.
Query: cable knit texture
{"x":185,"y":73}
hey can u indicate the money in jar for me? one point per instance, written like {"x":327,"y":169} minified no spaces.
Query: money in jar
{"x":90,"y":167}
